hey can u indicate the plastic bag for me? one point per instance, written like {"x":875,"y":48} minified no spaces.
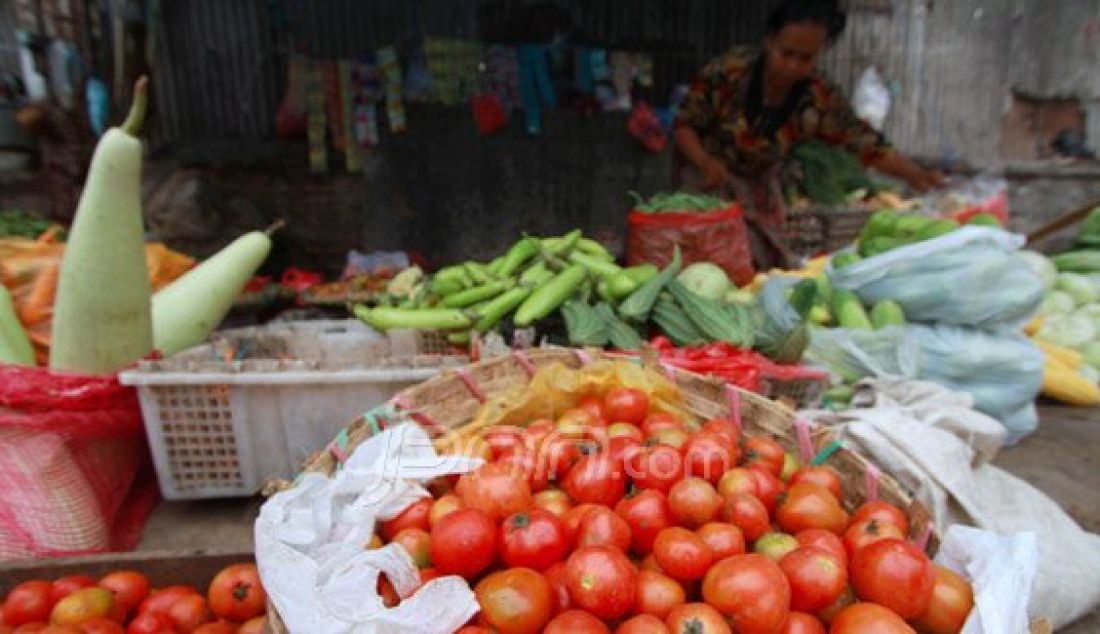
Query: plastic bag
{"x":871,"y":99}
{"x":310,"y":538}
{"x":74,"y":465}
{"x":718,"y":237}
{"x":983,"y":194}
{"x":1001,"y":569}
{"x":974,"y":276}
{"x":854,"y":354}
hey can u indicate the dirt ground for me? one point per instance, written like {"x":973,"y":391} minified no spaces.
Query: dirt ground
{"x":1061,"y":459}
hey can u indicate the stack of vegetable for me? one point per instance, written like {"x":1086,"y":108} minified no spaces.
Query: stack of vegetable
{"x":20,"y":224}
{"x":678,"y":202}
{"x":600,"y":302}
{"x":887,"y":230}
{"x":1068,"y":326}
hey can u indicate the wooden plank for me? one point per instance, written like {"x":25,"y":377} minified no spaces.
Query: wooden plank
{"x":1062,"y":222}
{"x":163,"y":568}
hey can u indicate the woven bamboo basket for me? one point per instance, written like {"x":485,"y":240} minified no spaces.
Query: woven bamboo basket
{"x":451,"y":401}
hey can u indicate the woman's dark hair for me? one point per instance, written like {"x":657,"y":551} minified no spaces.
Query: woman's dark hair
{"x":827,"y":13}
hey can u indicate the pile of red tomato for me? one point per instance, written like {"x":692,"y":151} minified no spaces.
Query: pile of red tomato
{"x":618,"y":518}
{"x":123,"y":602}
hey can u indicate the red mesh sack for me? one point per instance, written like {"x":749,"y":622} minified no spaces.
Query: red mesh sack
{"x":75,"y":474}
{"x":720,"y":237}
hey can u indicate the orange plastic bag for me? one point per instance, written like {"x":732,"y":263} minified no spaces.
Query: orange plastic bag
{"x":30,"y":269}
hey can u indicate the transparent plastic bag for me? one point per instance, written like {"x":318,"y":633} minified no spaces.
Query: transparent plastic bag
{"x":974,"y":276}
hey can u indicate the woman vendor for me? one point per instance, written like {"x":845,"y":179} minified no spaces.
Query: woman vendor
{"x":748,"y":108}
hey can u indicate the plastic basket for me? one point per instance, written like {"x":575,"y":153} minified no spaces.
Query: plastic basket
{"x":818,"y":229}
{"x":227,"y":416}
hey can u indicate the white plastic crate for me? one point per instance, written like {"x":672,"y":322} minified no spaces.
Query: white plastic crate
{"x":225,"y":417}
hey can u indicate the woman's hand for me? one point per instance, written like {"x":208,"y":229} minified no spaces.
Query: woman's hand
{"x":715,"y":173}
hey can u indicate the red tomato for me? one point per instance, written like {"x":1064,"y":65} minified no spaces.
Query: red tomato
{"x":846,"y":598}
{"x":723,"y":539}
{"x":83,"y":605}
{"x":596,"y":479}
{"x":575,"y":622}
{"x":129,"y":587}
{"x":28,"y":602}
{"x":646,"y":512}
{"x":817,"y":578}
{"x":763,"y":451}
{"x":693,"y":502}
{"x":821,"y":475}
{"x":810,"y":506}
{"x":496,"y":490}
{"x":657,"y":594}
{"x":160,"y":600}
{"x":802,"y":623}
{"x":657,"y":421}
{"x":682,"y":554}
{"x":895,"y":574}
{"x":768,"y":487}
{"x":151,"y":623}
{"x":823,"y":539}
{"x":952,"y":600}
{"x":751,"y":590}
{"x":416,"y":542}
{"x":65,"y":586}
{"x":621,"y":450}
{"x":884,"y":512}
{"x":555,"y":501}
{"x":737,"y":481}
{"x":386,"y":592}
{"x":601,"y":580}
{"x":624,"y":430}
{"x":572,"y":520}
{"x":103,"y":625}
{"x":673,"y":437}
{"x":537,"y":432}
{"x":514,"y":601}
{"x":643,"y":624}
{"x":593,"y":405}
{"x":649,"y":562}
{"x":445,"y":504}
{"x":696,"y":618}
{"x":556,"y":457}
{"x":579,"y":424}
{"x":868,"y":618}
{"x":464,"y":543}
{"x":237,"y":593}
{"x":603,"y":527}
{"x":503,"y":439}
{"x":626,"y":404}
{"x":474,"y":629}
{"x":747,"y":513}
{"x":708,"y":456}
{"x":427,"y":574}
{"x":189,"y":612}
{"x":657,"y":467}
{"x":868,"y":531}
{"x":415,"y":516}
{"x":254,"y":626}
{"x":46,"y":628}
{"x":775,"y":546}
{"x":216,"y":627}
{"x":534,"y":540}
{"x":559,"y":593}
{"x":524,"y":465}
{"x":726,"y":429}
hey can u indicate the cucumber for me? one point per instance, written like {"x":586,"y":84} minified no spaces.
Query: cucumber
{"x":547,"y":298}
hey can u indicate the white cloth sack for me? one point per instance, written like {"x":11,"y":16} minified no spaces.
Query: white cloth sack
{"x":917,"y":433}
{"x":310,"y":544}
{"x":1002,"y":571}
{"x":973,"y":276}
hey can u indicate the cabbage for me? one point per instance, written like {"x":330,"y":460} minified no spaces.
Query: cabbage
{"x":1073,"y":330}
{"x":706,"y":279}
{"x":1057,"y":303}
{"x":1042,"y":266}
{"x":1078,"y":286}
{"x":1091,"y":352}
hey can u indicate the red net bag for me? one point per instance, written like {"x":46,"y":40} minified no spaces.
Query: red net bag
{"x":75,"y":473}
{"x":720,"y":237}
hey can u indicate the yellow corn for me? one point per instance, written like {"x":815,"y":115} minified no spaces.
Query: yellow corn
{"x":1033,"y":326}
{"x":1067,"y":386}
{"x":1069,"y":357}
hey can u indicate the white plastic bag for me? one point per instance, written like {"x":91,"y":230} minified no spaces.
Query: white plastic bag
{"x":871,"y":99}
{"x":970,"y":277}
{"x":310,"y":544}
{"x":1001,"y":569}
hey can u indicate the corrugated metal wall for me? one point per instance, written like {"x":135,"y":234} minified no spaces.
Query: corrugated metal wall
{"x":9,"y":50}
